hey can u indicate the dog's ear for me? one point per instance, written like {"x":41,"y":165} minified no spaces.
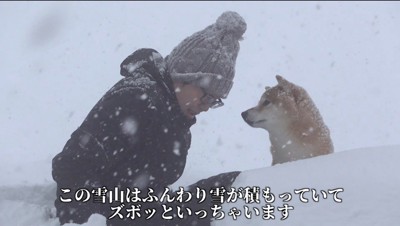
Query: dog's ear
{"x":279,"y":78}
{"x":282,"y":81}
{"x":285,"y":84}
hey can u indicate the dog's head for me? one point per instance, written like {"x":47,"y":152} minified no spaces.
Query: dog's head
{"x":277,"y":105}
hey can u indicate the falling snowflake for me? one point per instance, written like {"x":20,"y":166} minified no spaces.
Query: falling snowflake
{"x":117,"y":112}
{"x":141,"y":181}
{"x":84,"y":140}
{"x":287,"y":143}
{"x":129,"y":126}
{"x":176,"y":150}
{"x":205,"y":82}
{"x":130,"y":172}
{"x":144,"y":96}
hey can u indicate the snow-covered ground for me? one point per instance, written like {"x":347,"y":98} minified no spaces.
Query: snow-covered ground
{"x":366,"y":181}
{"x":59,"y":58}
{"x":363,"y":183}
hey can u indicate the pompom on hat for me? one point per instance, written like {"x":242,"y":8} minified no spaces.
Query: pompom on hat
{"x":207,"y":58}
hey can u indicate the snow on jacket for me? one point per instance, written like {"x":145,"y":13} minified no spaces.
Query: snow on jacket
{"x":135,"y":136}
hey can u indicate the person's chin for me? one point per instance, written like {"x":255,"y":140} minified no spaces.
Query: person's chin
{"x":190,"y":114}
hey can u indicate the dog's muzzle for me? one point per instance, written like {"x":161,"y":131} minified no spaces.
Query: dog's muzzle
{"x":245,"y":116}
{"x":246,"y":119}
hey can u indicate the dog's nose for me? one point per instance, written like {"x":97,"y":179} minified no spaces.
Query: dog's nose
{"x":244,"y":115}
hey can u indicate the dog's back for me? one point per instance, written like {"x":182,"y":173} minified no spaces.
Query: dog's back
{"x":295,"y":126}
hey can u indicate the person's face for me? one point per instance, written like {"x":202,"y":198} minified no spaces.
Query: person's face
{"x":191,"y":99}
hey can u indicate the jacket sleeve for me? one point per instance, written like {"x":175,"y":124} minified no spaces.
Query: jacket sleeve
{"x":109,"y":137}
{"x":131,"y":142}
{"x":138,"y":146}
{"x":80,"y":163}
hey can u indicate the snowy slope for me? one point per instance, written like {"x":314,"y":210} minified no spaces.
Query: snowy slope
{"x":369,"y":179}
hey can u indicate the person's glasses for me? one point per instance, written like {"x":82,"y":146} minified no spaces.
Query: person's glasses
{"x":211,"y":101}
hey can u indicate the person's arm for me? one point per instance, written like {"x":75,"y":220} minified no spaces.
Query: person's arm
{"x":110,"y":134}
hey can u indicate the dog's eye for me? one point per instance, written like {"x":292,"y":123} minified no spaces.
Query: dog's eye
{"x":266,"y":102}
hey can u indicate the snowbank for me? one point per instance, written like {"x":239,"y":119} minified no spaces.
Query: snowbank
{"x":369,"y":179}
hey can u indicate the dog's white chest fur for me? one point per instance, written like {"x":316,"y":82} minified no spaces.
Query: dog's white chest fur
{"x":286,"y":148}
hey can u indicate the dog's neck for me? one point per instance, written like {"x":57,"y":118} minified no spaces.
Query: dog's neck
{"x":279,"y":137}
{"x":285,"y":146}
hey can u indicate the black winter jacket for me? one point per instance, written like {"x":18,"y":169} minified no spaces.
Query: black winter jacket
{"x":135,"y":136}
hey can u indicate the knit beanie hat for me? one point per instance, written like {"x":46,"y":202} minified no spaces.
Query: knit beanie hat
{"x":207,"y":58}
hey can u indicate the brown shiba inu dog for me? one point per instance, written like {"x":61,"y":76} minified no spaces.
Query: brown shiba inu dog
{"x":295,"y":126}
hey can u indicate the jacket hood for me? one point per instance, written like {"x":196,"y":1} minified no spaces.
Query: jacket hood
{"x":150,"y":63}
{"x":148,"y":60}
